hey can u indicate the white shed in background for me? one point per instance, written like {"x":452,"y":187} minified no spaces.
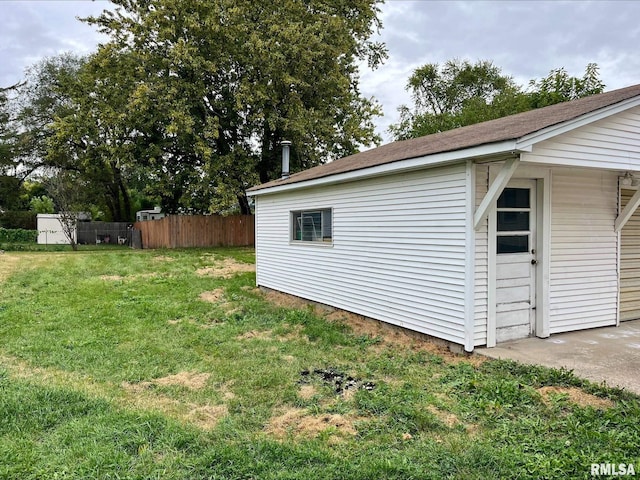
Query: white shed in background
{"x":50,"y":230}
{"x":151,"y":214}
{"x":521,"y":226}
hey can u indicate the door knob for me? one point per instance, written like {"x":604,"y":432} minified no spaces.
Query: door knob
{"x":534,"y":262}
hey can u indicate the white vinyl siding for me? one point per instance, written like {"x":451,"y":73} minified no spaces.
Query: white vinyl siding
{"x":611,"y":143}
{"x":398,"y":252}
{"x":583,"y":277}
{"x":481,"y":259}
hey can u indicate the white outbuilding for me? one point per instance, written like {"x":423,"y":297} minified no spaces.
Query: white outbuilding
{"x":50,"y":230}
{"x":521,"y":226}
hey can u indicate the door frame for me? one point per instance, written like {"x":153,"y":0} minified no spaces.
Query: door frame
{"x":621,"y":186}
{"x":543,"y":178}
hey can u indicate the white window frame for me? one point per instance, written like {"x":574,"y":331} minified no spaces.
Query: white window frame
{"x":320,"y":237}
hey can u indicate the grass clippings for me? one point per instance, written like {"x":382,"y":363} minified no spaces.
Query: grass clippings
{"x":576,"y":396}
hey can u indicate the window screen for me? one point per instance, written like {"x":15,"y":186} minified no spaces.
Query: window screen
{"x":311,"y":226}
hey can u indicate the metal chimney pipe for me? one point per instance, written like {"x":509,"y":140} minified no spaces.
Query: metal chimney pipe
{"x":285,"y":158}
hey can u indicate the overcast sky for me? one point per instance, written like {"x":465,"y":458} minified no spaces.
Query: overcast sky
{"x":525,"y":38}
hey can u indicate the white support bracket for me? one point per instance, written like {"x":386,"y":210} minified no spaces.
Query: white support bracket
{"x":496,"y":188}
{"x":627,"y":211}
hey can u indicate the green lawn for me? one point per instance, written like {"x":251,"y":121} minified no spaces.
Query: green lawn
{"x":170,"y":364}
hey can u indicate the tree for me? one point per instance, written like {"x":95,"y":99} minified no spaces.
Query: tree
{"x":559,"y":87}
{"x":10,"y":182}
{"x":95,"y":138}
{"x":217,"y":86}
{"x":44,"y":96}
{"x":459,"y":93}
{"x":42,"y":204}
{"x":455,"y":94}
{"x":7,"y":132}
{"x":67,"y":120}
{"x":65,"y":189}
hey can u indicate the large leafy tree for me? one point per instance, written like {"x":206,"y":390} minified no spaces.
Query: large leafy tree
{"x":59,"y":129}
{"x":559,"y":87}
{"x":96,"y":137}
{"x":7,"y":132}
{"x":217,"y":84}
{"x":44,"y":96}
{"x":11,"y":177}
{"x":455,"y":94}
{"x":460,"y":93}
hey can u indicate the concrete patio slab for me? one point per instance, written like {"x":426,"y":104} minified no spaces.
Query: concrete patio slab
{"x":610,"y":354}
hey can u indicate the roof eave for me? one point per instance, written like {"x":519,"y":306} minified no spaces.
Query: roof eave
{"x":527,"y":141}
{"x":479,"y":151}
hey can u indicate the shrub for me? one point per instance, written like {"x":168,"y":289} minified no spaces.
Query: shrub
{"x":18,"y":220}
{"x":18,"y":235}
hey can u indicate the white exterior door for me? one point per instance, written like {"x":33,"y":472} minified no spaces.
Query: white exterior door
{"x":516,"y":260}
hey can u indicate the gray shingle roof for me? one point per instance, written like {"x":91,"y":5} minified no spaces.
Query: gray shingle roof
{"x":506,"y":128}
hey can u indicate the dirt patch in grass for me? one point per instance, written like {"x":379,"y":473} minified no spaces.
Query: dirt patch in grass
{"x":225,"y":268}
{"x":576,"y":396}
{"x":294,"y":335}
{"x":127,"y":278}
{"x":285,"y":300}
{"x":389,"y":335}
{"x":206,"y":416}
{"x":225,"y":391}
{"x":297,"y":423}
{"x":111,"y":278}
{"x":163,"y":258}
{"x":139,"y":396}
{"x":190,"y":380}
{"x":214,"y":296}
{"x":201,"y":416}
{"x":261,"y":334}
{"x":307,"y":392}
{"x":217,"y":297}
{"x":448,"y":418}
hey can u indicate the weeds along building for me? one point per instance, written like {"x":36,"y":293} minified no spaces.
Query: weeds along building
{"x":521,"y":226}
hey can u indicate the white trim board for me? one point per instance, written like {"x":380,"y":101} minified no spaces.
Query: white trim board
{"x":438,"y":159}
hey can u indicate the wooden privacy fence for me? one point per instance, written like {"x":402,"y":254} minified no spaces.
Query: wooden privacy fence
{"x":178,"y":231}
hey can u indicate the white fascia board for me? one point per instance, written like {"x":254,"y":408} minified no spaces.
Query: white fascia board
{"x":489,"y":149}
{"x":527,"y":141}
